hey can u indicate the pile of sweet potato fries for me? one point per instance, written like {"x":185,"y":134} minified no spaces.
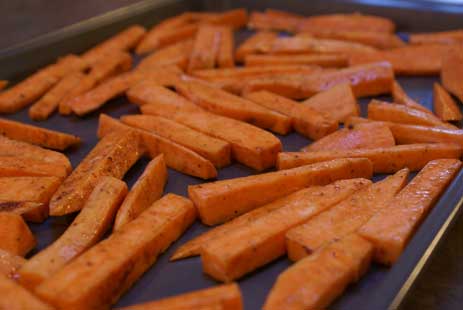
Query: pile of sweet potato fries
{"x":205,"y":104}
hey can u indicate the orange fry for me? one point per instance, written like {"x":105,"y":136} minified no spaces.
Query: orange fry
{"x":452,"y":72}
{"x":401,"y":97}
{"x":348,"y":22}
{"x":17,"y":238}
{"x":175,"y":54}
{"x":17,"y":167}
{"x":254,"y":44}
{"x":205,"y":48}
{"x":14,"y":296}
{"x":35,"y":189}
{"x":442,"y":37}
{"x":225,"y":55}
{"x":274,"y":20}
{"x":323,"y":60}
{"x":35,"y":212}
{"x":445,"y":107}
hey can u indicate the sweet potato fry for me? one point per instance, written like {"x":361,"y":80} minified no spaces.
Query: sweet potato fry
{"x":147,"y":92}
{"x":177,"y":157}
{"x":19,"y":149}
{"x":43,"y":108}
{"x":392,"y":227}
{"x":227,"y":297}
{"x":14,"y":296}
{"x":306,"y":44}
{"x":323,"y":60}
{"x":344,"y":218}
{"x":274,"y":20}
{"x":18,"y":167}
{"x":397,"y":113}
{"x":400,"y":97}
{"x":112,"y":156}
{"x":104,"y":68}
{"x":3,"y":84}
{"x":314,"y":282}
{"x":235,"y":18}
{"x":123,"y":41}
{"x":348,"y":22}
{"x":35,"y":212}
{"x":36,"y":189}
{"x":263,"y":240}
{"x":338,"y":102}
{"x":24,"y":93}
{"x":251,"y":146}
{"x":148,"y":188}
{"x":373,"y":39}
{"x":445,"y":107}
{"x":225,"y":55}
{"x":364,"y":136}
{"x":385,"y":159}
{"x":9,"y":264}
{"x":306,"y":120}
{"x":223,"y":103}
{"x":452,"y":72}
{"x":97,"y":278}
{"x":174,"y":54}
{"x":254,"y":44}
{"x":85,"y":231}
{"x":407,"y":60}
{"x":242,"y":72}
{"x":365,"y":80}
{"x":36,"y":135}
{"x":216,"y":202}
{"x":205,"y":48}
{"x":441,"y":37}
{"x":216,"y":150}
{"x":16,"y":235}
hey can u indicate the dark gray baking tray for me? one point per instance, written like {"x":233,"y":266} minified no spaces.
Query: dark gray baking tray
{"x":381,"y":288}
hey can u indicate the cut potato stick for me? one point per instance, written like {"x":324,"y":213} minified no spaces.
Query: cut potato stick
{"x":407,"y":60}
{"x":235,"y":18}
{"x":36,"y":189}
{"x":216,"y":150}
{"x":112,"y":156}
{"x":263,"y":240}
{"x":104,"y":68}
{"x":193,"y":247}
{"x":306,"y":44}
{"x":166,"y":37}
{"x":452,"y":72}
{"x":43,"y":108}
{"x":251,"y":146}
{"x":216,"y":202}
{"x":225,"y":55}
{"x":323,"y":60}
{"x":85,"y":231}
{"x":147,"y":92}
{"x":344,"y":218}
{"x":385,"y":159}
{"x":35,"y":212}
{"x":348,"y":22}
{"x":16,"y":235}
{"x":373,"y":39}
{"x":363,"y":136}
{"x":400,"y":97}
{"x":19,"y":149}
{"x":445,"y":107}
{"x":392,"y":227}
{"x":14,"y":296}
{"x":441,"y":37}
{"x":274,"y":20}
{"x":254,"y":44}
{"x":36,"y":135}
{"x":306,"y":120}
{"x":9,"y":264}
{"x":409,"y":134}
{"x":98,"y":277}
{"x":338,"y":102}
{"x":397,"y":113}
{"x":177,"y":157}
{"x":176,"y":54}
{"x":18,"y":167}
{"x":316,"y":281}
{"x":148,"y":188}
{"x":24,"y":93}
{"x":226,"y":297}
{"x":205,"y":48}
{"x":365,"y":80}
{"x":223,"y":103}
{"x":241,"y":72}
{"x":123,"y":41}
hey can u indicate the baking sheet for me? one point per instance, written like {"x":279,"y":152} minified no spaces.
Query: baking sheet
{"x":381,"y":288}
